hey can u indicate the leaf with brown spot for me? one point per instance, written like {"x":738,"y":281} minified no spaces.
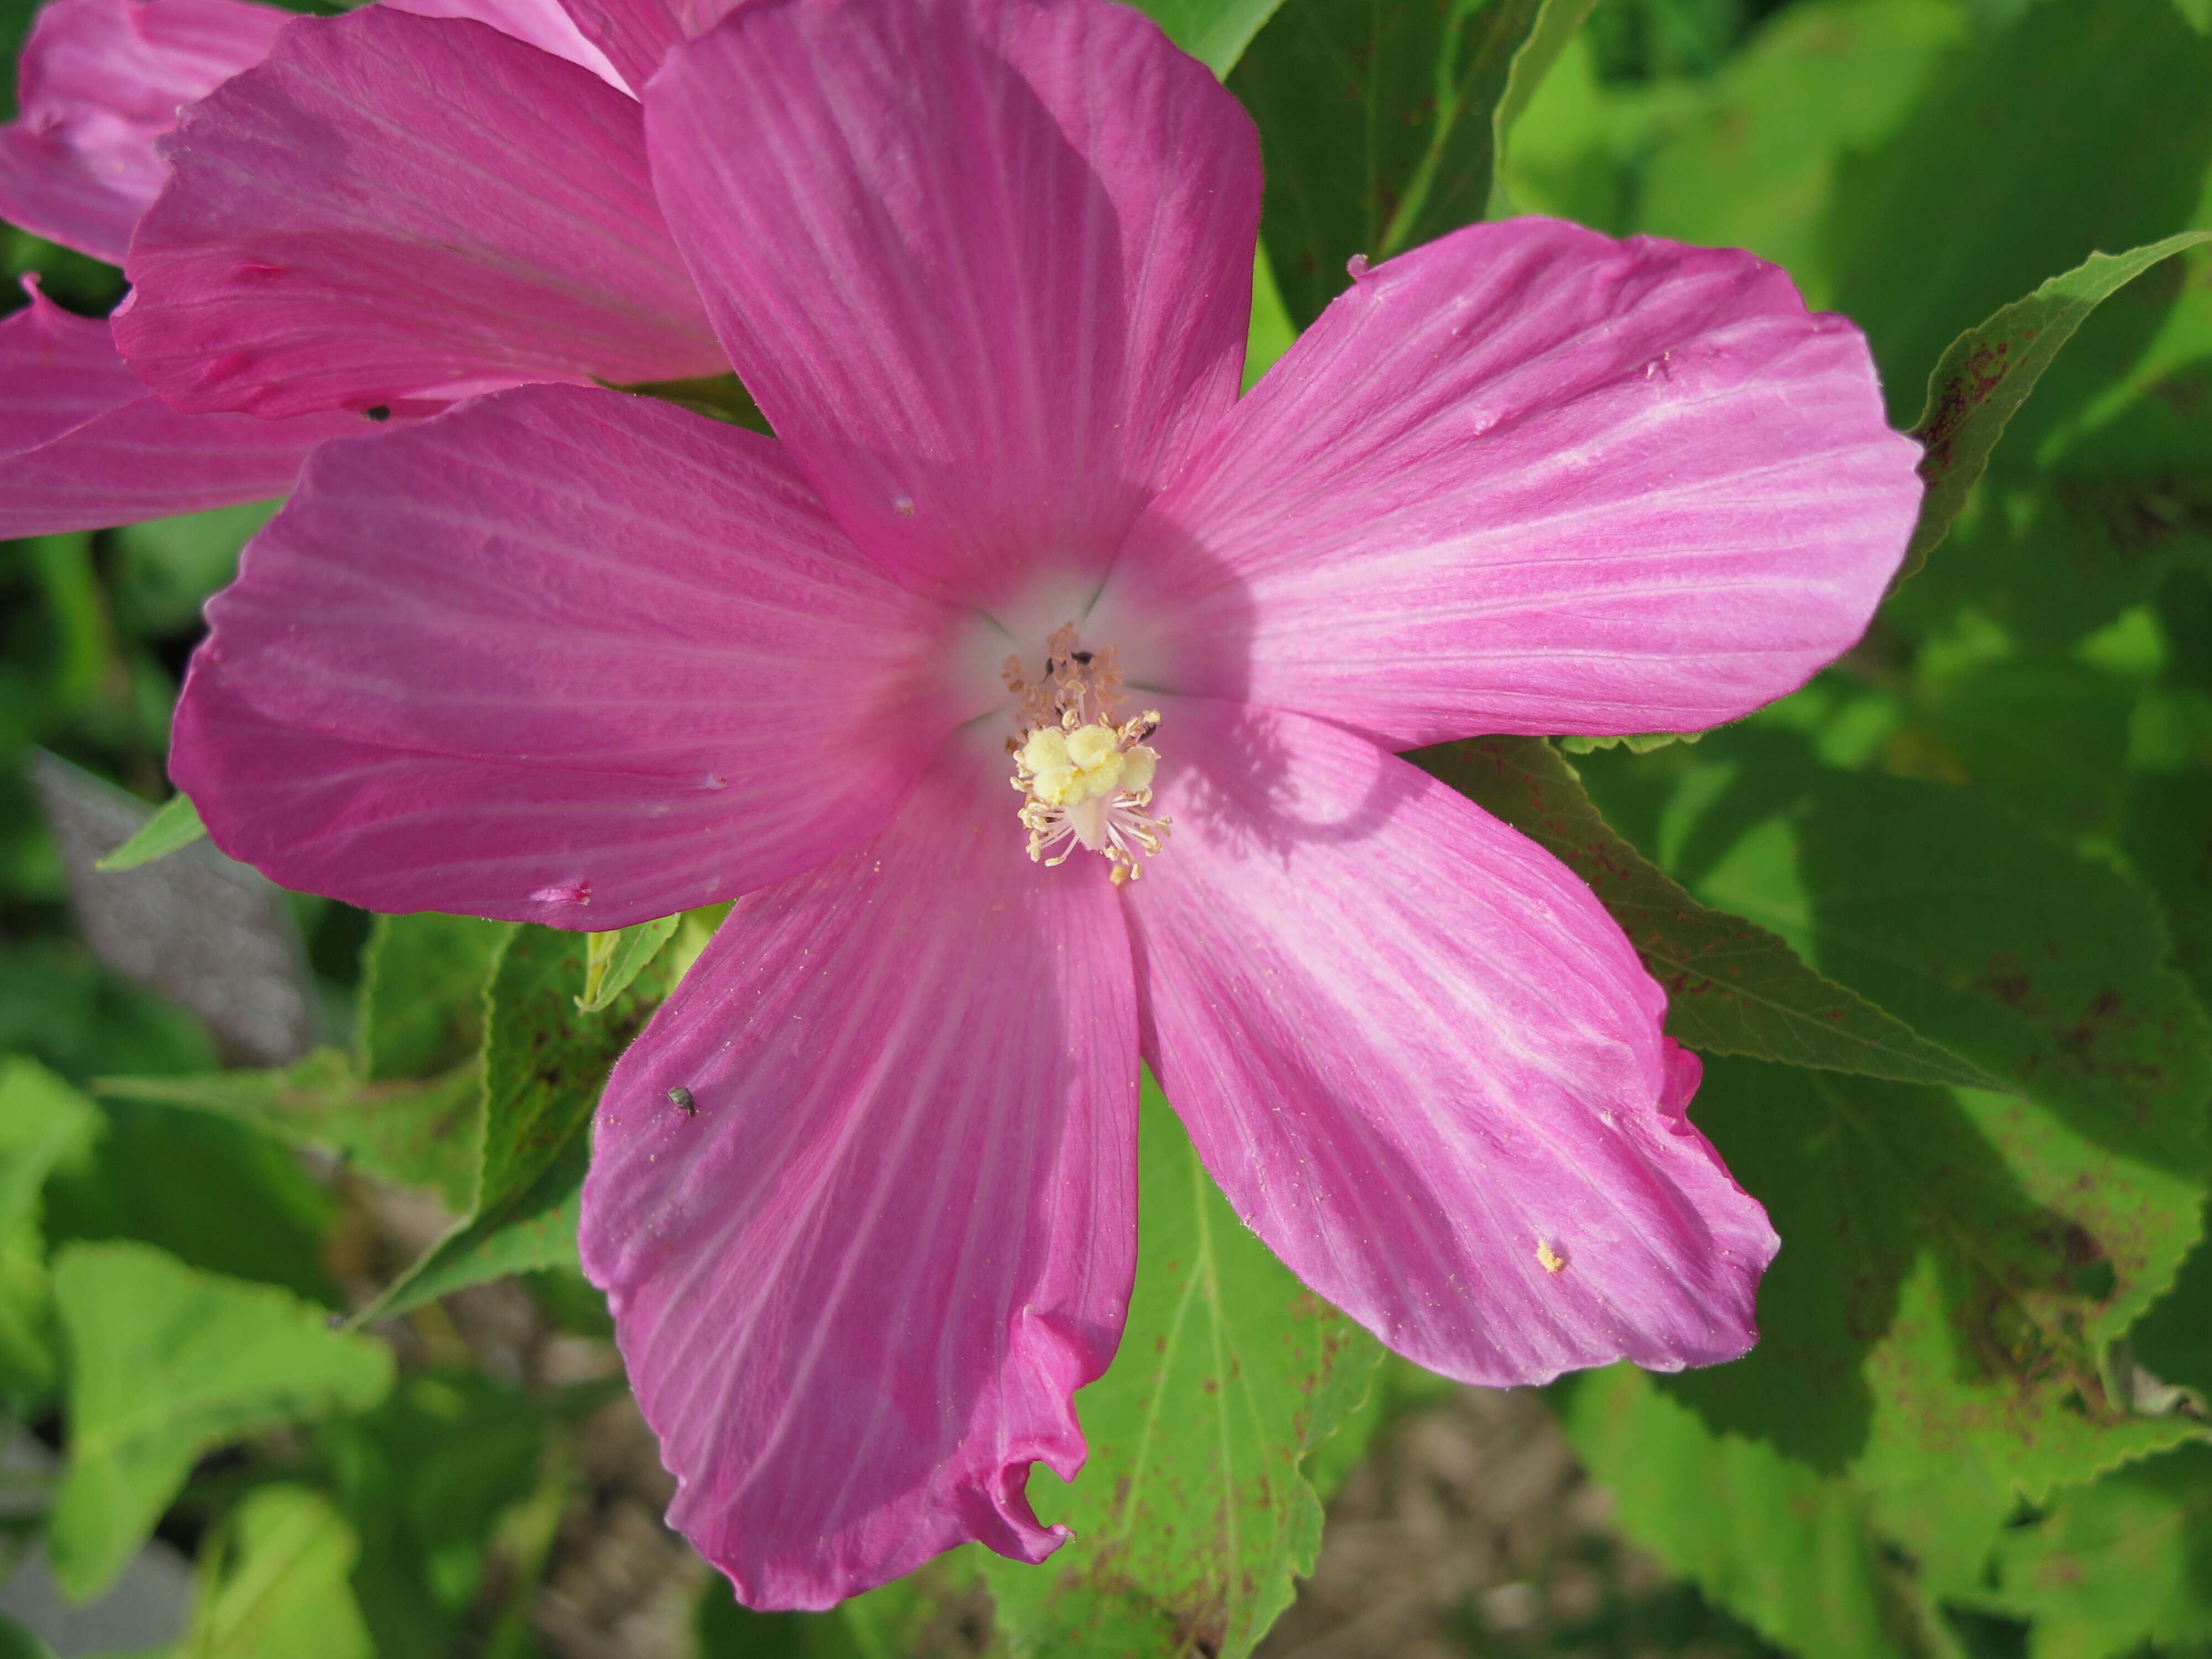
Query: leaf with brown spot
{"x":1954,"y":1264}
{"x":2001,"y":942}
{"x":1732,"y":987}
{"x":544,"y":1065}
{"x":1988,"y":371}
{"x":2120,"y":1564}
{"x":1792,"y":1551}
{"x":1957,"y":1264}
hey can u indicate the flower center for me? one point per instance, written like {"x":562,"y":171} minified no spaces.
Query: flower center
{"x":1086,"y":780}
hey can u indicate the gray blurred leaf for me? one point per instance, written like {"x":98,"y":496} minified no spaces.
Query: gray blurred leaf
{"x":203,"y":930}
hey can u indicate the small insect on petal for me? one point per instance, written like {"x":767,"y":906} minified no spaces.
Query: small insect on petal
{"x":680,"y":1097}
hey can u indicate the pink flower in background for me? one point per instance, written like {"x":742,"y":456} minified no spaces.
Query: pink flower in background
{"x":571,"y":657}
{"x":466,"y":207}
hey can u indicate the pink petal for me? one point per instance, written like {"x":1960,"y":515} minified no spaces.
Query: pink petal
{"x":635,"y":36}
{"x":84,"y":445}
{"x":1529,"y":479}
{"x":101,"y":80}
{"x":544,"y":24}
{"x":856,"y":1289}
{"x":394,"y":208}
{"x":558,"y":655}
{"x":58,"y":370}
{"x":1425,"y":1065}
{"x":985,"y":263}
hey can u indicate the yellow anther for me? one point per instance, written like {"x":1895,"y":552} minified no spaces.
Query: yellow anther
{"x":1093,"y":746}
{"x":1084,"y":779}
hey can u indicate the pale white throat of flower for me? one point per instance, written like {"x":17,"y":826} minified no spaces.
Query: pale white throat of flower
{"x":1085,"y":780}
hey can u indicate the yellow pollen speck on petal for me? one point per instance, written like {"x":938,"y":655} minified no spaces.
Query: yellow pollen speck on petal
{"x":1552,"y":1260}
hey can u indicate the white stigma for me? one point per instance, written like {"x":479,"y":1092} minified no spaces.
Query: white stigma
{"x":1085,"y":780}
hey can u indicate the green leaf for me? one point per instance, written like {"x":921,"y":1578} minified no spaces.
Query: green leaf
{"x":1987,"y":372}
{"x":1790,"y":1551}
{"x":1379,"y":123}
{"x":418,"y":1133}
{"x":534,"y":1227}
{"x":43,"y":1122}
{"x":276,"y":1586}
{"x":166,"y":567}
{"x":1641,"y":743}
{"x":425,"y":1480}
{"x":543,"y":1066}
{"x":1732,"y":987}
{"x":58,"y":1002}
{"x":1978,"y":929}
{"x":612,"y":961}
{"x":1959,"y":1264}
{"x":1956,"y":1264}
{"x":2014,"y":952}
{"x":2167,"y":834}
{"x":2119,"y":1563}
{"x":175,"y":823}
{"x":1215,"y":32}
{"x":75,"y":662}
{"x":16,"y":1642}
{"x":1757,"y":163}
{"x":1558,"y":22}
{"x":29,"y":1366}
{"x":1271,"y":332}
{"x":2079,"y":127}
{"x":2173,"y":1340}
{"x":423,"y":993}
{"x":166,"y":1364}
{"x":2048,"y":738}
{"x":1193,"y":1515}
{"x":217,"y":1194}
{"x":717,"y":396}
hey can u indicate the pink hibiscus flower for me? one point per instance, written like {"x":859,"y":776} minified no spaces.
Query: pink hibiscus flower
{"x":1035,"y":699}
{"x":314,"y":275}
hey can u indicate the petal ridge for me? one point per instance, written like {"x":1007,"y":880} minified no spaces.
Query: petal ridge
{"x":862,"y":1252}
{"x":101,"y":81}
{"x":85,"y":446}
{"x":393,"y":208}
{"x":1425,"y":1065}
{"x":1528,"y":479}
{"x":986,"y":264}
{"x":556,"y":655}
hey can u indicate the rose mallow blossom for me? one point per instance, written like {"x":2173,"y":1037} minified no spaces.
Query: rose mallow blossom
{"x":1035,"y":701}
{"x":294,"y":272}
